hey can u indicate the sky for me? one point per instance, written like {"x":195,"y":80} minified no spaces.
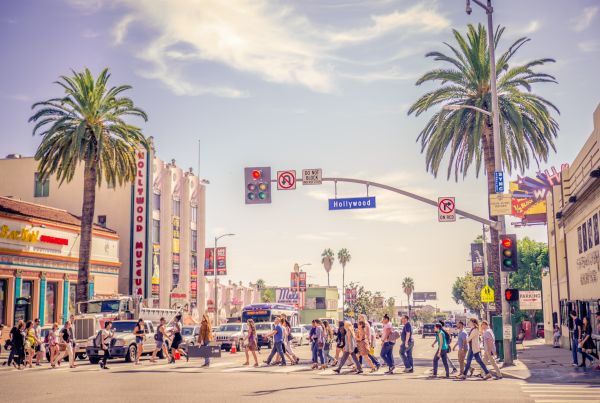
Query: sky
{"x":293,"y":85}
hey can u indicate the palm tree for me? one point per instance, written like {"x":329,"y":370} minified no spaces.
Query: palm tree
{"x":327,"y":258}
{"x":408,"y":285}
{"x":344,"y":257}
{"x":87,"y":126}
{"x":260,"y":284}
{"x":527,"y":128}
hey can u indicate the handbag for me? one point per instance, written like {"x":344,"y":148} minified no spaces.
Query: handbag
{"x":372,"y":351}
{"x":62,"y":347}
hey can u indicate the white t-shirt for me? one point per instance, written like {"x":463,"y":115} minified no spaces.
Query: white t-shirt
{"x":387,"y":331}
{"x":106,"y":337}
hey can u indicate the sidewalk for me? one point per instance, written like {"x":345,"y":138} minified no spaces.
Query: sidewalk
{"x":538,"y":362}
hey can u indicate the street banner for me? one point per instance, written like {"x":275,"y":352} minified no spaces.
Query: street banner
{"x":209,"y":259}
{"x":139,"y":225}
{"x":194,"y":280}
{"x":221,"y":261}
{"x":351,"y":294}
{"x":298,"y":280}
{"x":530,"y":300}
{"x":156,"y":272}
{"x":477,"y":259}
{"x":175,"y":247}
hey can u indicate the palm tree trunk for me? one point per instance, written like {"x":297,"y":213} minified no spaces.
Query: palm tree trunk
{"x":87,"y":220}
{"x":343,"y":291}
{"x":494,"y":257}
{"x":327,"y":279}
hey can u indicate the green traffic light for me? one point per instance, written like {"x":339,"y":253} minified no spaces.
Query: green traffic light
{"x":507,"y":262}
{"x":262,"y":195}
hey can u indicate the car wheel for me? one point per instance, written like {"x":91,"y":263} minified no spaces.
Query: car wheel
{"x":131,"y":353}
{"x":94,"y":360}
{"x":82,"y":356}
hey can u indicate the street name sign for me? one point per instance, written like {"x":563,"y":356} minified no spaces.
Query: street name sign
{"x":312,"y":176}
{"x":499,"y":182}
{"x":487,"y":294}
{"x":286,"y":180}
{"x":500,"y":204}
{"x":530,"y":299}
{"x":352,"y":203}
{"x":446,"y":209}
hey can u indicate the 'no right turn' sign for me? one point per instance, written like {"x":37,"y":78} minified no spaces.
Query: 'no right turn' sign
{"x":446,"y":209}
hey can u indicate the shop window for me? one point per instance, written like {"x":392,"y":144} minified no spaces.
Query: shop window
{"x":3,"y":300}
{"x":176,"y":208}
{"x":102,"y":221}
{"x":50,"y":306}
{"x":194,"y":240}
{"x":41,"y":187}
{"x":156,"y":231}
{"x":156,"y":201}
{"x":27,"y":288}
{"x":194,"y":214}
{"x":320,"y":303}
{"x":72,"y":297}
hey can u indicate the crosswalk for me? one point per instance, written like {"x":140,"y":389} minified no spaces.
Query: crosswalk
{"x":561,"y":393}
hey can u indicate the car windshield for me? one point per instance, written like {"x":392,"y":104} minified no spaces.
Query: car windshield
{"x":187,"y":331}
{"x":231,"y":328}
{"x":107,"y":306}
{"x":308,"y":327}
{"x":263,"y":326}
{"x":123,"y":327}
{"x":296,"y":330}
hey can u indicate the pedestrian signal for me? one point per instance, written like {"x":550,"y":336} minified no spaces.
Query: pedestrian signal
{"x":511,"y":294}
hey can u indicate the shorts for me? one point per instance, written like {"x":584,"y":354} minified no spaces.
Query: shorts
{"x":176,"y":341}
{"x":139,"y":339}
{"x":38,"y":348}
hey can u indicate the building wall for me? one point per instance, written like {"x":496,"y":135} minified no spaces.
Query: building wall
{"x":331,"y":296}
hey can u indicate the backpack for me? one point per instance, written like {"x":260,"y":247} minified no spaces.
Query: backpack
{"x":448,"y":340}
{"x":98,"y":339}
{"x":395,"y":335}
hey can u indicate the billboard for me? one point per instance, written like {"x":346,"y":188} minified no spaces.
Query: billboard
{"x":424,"y":296}
{"x":288,"y":296}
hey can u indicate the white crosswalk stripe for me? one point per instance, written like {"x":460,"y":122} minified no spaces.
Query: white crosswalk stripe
{"x":561,"y":393}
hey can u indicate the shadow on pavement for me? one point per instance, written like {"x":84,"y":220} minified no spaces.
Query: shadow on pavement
{"x":287,"y":389}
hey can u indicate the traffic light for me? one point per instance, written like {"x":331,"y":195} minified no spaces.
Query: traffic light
{"x":257,"y":185}
{"x":511,"y":294}
{"x":509,"y":261}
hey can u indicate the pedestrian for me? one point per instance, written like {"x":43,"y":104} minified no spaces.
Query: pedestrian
{"x":350,"y":348}
{"x":39,"y":345}
{"x":388,"y":344}
{"x":105,"y":342}
{"x":1,"y":331}
{"x":586,"y":345}
{"x":461,"y":344}
{"x":340,"y":341}
{"x":329,"y":340}
{"x":489,"y":348}
{"x":362,"y":341}
{"x":577,"y":325}
{"x":370,"y":334}
{"x":140,"y":335}
{"x":177,"y":339}
{"x":598,"y":333}
{"x":30,"y":343}
{"x":287,"y":342}
{"x":407,"y":344}
{"x":205,"y":336}
{"x":53,"y":344}
{"x":556,"y":336}
{"x":65,"y":345}
{"x":448,"y":343}
{"x":17,"y":351}
{"x":318,"y":345}
{"x":251,"y":343}
{"x":441,"y":351}
{"x":160,"y":336}
{"x":277,"y":335}
{"x":474,"y":350}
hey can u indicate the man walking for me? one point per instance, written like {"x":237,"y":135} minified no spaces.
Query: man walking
{"x":388,"y":344}
{"x":37,"y":332}
{"x":106,"y":336}
{"x":576,"y":339}
{"x":277,"y":335}
{"x":461,"y":344}
{"x":489,"y":348}
{"x":407,"y":344}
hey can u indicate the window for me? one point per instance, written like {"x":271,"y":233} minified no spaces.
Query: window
{"x":50,"y":309}
{"x":102,"y":220}
{"x":194,"y":214}
{"x":156,"y":231}
{"x":176,"y":208}
{"x":156,"y":201}
{"x":194,"y":240}
{"x":320,"y":303}
{"x":3,"y":300}
{"x":41,"y":188}
{"x":26,"y":288}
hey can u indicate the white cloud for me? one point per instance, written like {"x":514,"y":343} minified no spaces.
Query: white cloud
{"x":120,"y":30}
{"x":589,"y":46}
{"x":584,"y":20}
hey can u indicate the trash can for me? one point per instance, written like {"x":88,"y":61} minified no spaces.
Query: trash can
{"x":499,"y":336}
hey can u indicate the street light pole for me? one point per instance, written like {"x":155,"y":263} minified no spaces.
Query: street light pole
{"x":506,"y":317}
{"x":215,"y":273}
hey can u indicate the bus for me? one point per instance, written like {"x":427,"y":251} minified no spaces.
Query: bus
{"x":268,"y":313}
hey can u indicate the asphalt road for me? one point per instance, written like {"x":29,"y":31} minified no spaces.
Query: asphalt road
{"x":228,"y":381}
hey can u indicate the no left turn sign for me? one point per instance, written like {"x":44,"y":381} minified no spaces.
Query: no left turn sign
{"x":446,"y":209}
{"x":286,"y":180}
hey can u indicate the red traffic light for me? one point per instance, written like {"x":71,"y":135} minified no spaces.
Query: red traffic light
{"x":511,"y":294}
{"x":256,"y":174}
{"x":506,"y":242}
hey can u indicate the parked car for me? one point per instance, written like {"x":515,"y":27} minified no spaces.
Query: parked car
{"x":300,"y":335}
{"x":262,"y":330}
{"x":123,"y":342}
{"x":428,"y":330}
{"x":190,"y":335}
{"x":231,"y":334}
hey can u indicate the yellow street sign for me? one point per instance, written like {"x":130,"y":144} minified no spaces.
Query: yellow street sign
{"x":500,"y":204}
{"x":487,"y":294}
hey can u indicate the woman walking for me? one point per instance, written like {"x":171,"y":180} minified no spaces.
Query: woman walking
{"x":318,"y":345}
{"x":65,"y":343}
{"x":329,"y":340}
{"x":442,"y":351}
{"x":53,"y":344}
{"x":160,"y":336}
{"x":205,"y":336}
{"x":30,"y":343}
{"x":287,"y":342}
{"x":139,"y":332}
{"x":340,"y":341}
{"x":474,"y":350}
{"x":177,"y":339}
{"x":363,"y":344}
{"x":251,"y":344}
{"x":17,"y":352}
{"x":349,"y":348}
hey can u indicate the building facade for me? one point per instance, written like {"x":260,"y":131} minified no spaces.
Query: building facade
{"x":572,"y":280}
{"x":160,"y":221}
{"x":39,"y":254}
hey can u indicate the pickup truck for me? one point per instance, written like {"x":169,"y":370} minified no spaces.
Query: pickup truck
{"x":123,"y":342}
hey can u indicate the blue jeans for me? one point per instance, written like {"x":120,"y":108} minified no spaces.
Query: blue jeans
{"x":477,"y":357}
{"x":373,"y":360}
{"x":585,"y":355}
{"x":206,"y":359}
{"x":406,"y":354}
{"x":574,"y":348}
{"x":444,"y":357}
{"x":317,"y":354}
{"x":386,"y":354}
{"x":277,"y":348}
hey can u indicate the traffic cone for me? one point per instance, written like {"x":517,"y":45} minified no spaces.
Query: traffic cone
{"x":233,"y":350}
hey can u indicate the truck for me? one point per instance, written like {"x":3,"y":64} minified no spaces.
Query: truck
{"x":92,"y":314}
